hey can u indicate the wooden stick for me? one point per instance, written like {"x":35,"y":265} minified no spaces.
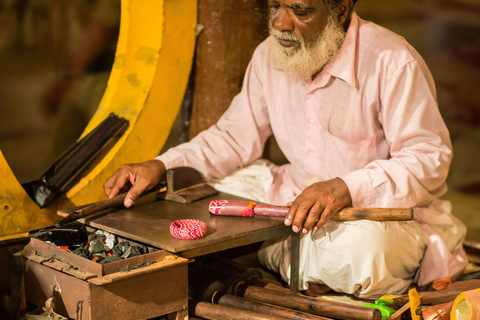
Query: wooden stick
{"x":318,"y":306}
{"x":112,"y":203}
{"x":216,"y":312}
{"x":241,"y":303}
{"x":430,"y":297}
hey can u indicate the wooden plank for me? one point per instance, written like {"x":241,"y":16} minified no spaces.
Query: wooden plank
{"x":150,"y":224}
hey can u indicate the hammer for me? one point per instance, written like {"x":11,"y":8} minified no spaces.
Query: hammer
{"x":249,"y":209}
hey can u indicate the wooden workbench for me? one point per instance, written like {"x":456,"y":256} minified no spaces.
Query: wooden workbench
{"x":150,"y":224}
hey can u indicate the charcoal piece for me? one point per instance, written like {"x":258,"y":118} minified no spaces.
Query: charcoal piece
{"x":120,"y":248}
{"x":83,"y":252}
{"x":125,"y":250}
{"x":96,"y":247}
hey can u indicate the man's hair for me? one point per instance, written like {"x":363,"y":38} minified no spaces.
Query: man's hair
{"x":333,"y":4}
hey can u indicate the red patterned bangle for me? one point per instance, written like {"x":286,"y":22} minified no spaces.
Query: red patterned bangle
{"x":188,"y":229}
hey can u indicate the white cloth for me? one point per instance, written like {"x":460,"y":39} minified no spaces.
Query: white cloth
{"x":365,"y":258}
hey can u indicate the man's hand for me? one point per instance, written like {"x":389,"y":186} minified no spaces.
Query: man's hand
{"x":137,"y":177}
{"x":317,"y":204}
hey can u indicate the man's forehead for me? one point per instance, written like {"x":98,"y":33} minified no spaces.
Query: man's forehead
{"x":312,"y":3}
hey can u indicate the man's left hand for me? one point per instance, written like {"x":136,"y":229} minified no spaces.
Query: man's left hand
{"x":317,"y":204}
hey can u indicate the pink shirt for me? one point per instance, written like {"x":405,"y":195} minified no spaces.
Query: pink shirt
{"x":370,"y":117}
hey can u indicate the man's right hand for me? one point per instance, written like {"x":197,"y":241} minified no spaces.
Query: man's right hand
{"x":136,"y":178}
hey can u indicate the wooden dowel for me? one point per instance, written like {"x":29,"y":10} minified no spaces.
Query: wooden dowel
{"x":430,"y":297}
{"x":216,"y":312}
{"x":377,"y":214}
{"x":318,"y":306}
{"x":115,"y":202}
{"x":241,"y":303}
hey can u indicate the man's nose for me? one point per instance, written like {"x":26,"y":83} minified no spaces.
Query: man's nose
{"x":282,"y":21}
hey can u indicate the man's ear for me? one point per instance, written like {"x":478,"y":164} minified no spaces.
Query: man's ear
{"x":343,"y":11}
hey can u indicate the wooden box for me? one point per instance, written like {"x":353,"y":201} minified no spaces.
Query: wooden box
{"x":139,"y":287}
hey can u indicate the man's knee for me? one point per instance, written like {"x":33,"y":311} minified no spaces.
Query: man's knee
{"x":367,"y":258}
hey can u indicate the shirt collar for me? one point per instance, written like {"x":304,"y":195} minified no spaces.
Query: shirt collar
{"x":343,"y":64}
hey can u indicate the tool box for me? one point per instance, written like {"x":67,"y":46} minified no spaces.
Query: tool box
{"x":139,"y":287}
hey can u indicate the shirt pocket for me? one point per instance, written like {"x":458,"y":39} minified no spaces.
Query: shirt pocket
{"x":342,"y":157}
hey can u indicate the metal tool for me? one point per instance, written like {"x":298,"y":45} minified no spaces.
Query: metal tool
{"x":185,"y":185}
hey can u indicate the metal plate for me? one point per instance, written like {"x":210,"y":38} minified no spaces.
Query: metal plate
{"x":150,"y":224}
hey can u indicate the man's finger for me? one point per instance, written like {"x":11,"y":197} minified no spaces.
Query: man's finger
{"x":326,"y":215}
{"x":119,"y":181}
{"x":291,"y":213}
{"x":302,"y":211}
{"x":312,"y":217}
{"x":135,"y":191}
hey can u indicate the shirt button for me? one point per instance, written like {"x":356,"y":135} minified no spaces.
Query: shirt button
{"x":312,"y":122}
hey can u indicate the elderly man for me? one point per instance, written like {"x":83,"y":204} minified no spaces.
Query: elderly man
{"x":353,"y":108}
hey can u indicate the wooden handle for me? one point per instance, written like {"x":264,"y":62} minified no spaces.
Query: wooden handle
{"x":377,"y":214}
{"x":216,"y":312}
{"x":96,"y":207}
{"x":232,"y":301}
{"x":346,"y":214}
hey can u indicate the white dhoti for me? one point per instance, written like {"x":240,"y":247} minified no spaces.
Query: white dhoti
{"x":363,"y":258}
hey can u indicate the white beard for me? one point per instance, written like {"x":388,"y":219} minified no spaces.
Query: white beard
{"x":305,"y":61}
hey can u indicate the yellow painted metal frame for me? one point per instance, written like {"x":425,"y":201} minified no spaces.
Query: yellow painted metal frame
{"x":146,"y":86}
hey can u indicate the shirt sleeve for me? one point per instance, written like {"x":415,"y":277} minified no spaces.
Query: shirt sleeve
{"x":237,"y":139}
{"x":420,"y":147}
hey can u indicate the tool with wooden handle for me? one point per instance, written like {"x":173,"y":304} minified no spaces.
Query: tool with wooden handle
{"x":112,"y":203}
{"x":249,"y":209}
{"x":183,"y":184}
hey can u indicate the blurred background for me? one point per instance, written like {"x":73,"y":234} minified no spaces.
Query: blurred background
{"x":55,"y":58}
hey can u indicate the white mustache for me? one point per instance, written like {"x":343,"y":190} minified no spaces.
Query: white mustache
{"x":285,"y":35}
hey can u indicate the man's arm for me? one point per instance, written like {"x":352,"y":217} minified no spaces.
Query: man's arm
{"x":236,"y":140}
{"x":414,"y":175}
{"x":420,"y":146}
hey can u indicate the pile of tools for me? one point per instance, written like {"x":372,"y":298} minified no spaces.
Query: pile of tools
{"x":223,"y":290}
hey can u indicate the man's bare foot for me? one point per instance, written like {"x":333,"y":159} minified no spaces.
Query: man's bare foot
{"x":315,"y":289}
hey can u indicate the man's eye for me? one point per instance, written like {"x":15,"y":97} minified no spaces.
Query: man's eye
{"x":300,"y":13}
{"x":274,"y":7}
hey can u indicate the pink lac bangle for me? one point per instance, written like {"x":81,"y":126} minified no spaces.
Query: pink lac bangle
{"x":188,"y":229}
